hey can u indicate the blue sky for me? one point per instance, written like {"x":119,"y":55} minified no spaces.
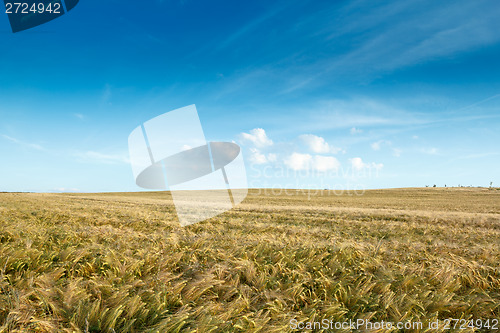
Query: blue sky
{"x":344,"y":94}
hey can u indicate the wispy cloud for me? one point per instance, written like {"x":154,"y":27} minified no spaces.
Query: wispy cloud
{"x":249,"y":27}
{"x":357,"y":42}
{"x":378,"y":144}
{"x":357,"y":112}
{"x":218,"y":45}
{"x":106,"y":94}
{"x":23,"y":143}
{"x":388,"y":37}
{"x":420,"y":35}
{"x":98,"y":157}
{"x":393,"y":116}
{"x":476,"y":156}
{"x":396,"y":152}
{"x":429,"y":151}
{"x":355,"y":131}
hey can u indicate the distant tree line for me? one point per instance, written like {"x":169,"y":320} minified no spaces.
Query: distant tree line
{"x":459,"y":185}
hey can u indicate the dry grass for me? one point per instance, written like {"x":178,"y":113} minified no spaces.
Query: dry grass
{"x":121,"y":263}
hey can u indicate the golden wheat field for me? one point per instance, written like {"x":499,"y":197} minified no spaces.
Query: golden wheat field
{"x":120,"y":262}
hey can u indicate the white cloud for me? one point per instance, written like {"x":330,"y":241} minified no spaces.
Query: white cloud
{"x":325,"y":163}
{"x":258,"y":137}
{"x":318,"y":144}
{"x":377,"y":145}
{"x":65,"y":190}
{"x":299,"y":162}
{"x":355,"y":131}
{"x":429,"y":151}
{"x":396,"y":152}
{"x":257,"y":157}
{"x":358,"y":164}
{"x":272,"y":157}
